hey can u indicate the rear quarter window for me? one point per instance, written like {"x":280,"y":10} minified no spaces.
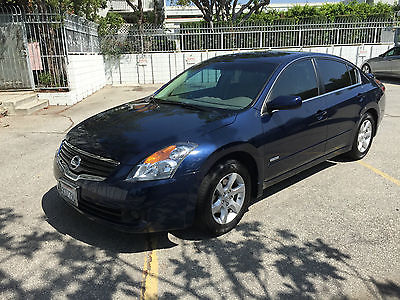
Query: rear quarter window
{"x":334,"y":75}
{"x":354,"y":76}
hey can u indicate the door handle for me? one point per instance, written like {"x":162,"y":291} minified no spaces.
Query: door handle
{"x":360,"y":97}
{"x":321,"y":115}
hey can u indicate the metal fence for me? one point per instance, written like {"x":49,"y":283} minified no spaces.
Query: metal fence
{"x":280,"y":34}
{"x":35,"y":43}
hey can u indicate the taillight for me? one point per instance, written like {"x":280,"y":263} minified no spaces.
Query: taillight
{"x":380,"y":84}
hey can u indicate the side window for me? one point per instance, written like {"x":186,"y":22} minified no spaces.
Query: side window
{"x":354,"y":76}
{"x":334,"y":74}
{"x":390,"y":52}
{"x":298,"y":79}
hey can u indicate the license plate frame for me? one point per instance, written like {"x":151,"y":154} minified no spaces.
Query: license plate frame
{"x":68,"y":192}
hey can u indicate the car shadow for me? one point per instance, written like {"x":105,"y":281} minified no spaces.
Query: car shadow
{"x":66,"y":220}
{"x":196,"y":235}
{"x":295,"y":179}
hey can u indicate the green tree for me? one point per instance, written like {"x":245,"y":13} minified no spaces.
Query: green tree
{"x":226,"y":10}
{"x":84,"y":8}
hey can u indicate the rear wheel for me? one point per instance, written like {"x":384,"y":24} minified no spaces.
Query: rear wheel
{"x":366,"y":69}
{"x":364,"y":136}
{"x":224,"y":195}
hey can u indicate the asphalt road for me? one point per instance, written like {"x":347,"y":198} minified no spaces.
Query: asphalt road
{"x":330,"y":232}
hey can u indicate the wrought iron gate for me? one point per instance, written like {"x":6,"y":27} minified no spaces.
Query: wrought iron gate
{"x":35,"y":42}
{"x":15,"y":71}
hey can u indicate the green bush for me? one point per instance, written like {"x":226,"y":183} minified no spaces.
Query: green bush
{"x":330,"y":12}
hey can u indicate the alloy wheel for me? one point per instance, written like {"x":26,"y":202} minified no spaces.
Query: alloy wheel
{"x":364,"y":136}
{"x":366,"y":69}
{"x":228,"y":198}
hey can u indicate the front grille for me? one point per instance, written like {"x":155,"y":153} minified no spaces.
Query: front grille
{"x":90,"y":164}
{"x":110,"y":214}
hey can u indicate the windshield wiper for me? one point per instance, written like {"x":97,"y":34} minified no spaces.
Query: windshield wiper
{"x":183,"y":104}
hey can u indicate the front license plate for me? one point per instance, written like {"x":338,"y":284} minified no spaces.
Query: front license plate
{"x":68,"y":192}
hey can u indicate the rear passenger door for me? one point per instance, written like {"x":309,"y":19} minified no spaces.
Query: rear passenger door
{"x":342,"y":91}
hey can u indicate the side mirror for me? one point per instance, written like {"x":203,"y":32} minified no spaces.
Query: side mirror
{"x":284,"y":103}
{"x":381,"y":55}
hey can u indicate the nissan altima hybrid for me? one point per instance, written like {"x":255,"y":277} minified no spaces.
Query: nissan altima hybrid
{"x":198,"y":150}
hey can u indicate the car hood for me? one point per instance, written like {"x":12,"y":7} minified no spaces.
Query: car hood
{"x":372,"y":59}
{"x":132,"y":131}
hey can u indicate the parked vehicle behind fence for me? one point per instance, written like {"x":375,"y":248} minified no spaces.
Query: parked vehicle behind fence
{"x":200,"y":148}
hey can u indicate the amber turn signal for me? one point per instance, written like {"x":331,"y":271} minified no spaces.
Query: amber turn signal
{"x":163,"y":154}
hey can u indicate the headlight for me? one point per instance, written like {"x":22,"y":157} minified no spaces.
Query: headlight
{"x":161,"y":164}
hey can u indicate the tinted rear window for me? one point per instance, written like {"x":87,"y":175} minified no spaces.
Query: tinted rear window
{"x":334,"y":75}
{"x":298,"y":79}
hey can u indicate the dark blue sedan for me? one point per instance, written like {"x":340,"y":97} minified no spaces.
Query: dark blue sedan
{"x":206,"y":143}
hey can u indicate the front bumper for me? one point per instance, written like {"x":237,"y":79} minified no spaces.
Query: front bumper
{"x":147,"y":206}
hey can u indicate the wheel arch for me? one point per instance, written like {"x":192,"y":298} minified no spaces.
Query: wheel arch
{"x":245,"y":154}
{"x":373,"y":112}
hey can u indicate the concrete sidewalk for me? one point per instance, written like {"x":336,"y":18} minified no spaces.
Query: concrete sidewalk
{"x":59,"y":119}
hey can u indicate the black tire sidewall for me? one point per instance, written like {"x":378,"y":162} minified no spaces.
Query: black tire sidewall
{"x":366,"y":65}
{"x":205,"y":219}
{"x":355,"y":153}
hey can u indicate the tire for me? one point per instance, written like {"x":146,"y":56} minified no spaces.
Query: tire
{"x":224,"y":195}
{"x":366,"y":68}
{"x":363,"y":138}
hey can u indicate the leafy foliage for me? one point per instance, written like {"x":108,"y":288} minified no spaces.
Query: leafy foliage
{"x":225,"y":10}
{"x":328,"y":12}
{"x":84,"y":8}
{"x":110,"y":24}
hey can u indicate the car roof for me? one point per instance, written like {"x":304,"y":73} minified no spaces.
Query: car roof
{"x":276,"y":57}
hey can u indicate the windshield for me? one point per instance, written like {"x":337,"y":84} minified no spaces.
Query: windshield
{"x":221,"y":84}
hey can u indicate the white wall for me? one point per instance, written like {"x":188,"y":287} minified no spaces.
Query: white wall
{"x":89,"y":73}
{"x":86,"y":75}
{"x":134,"y":69}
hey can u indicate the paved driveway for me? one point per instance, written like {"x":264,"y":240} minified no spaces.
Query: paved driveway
{"x":331,"y":232}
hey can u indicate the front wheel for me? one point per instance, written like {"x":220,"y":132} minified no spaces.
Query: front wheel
{"x":364,"y":136}
{"x":224,"y":195}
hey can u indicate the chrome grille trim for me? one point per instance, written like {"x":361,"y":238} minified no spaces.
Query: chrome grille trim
{"x":108,"y":160}
{"x":75,"y":177}
{"x":90,"y":167}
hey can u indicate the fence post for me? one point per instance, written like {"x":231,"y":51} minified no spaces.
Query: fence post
{"x":222,"y":40}
{"x":300,"y":44}
{"x":141,"y":43}
{"x":375,"y":33}
{"x":261,"y":41}
{"x":180,"y":43}
{"x":337,"y":36}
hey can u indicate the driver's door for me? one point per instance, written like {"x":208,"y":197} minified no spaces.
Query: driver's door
{"x":294,"y":137}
